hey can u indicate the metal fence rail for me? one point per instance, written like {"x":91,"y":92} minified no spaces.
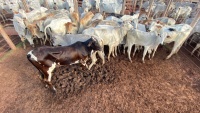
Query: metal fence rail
{"x":187,"y":50}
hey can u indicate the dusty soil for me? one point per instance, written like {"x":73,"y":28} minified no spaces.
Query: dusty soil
{"x":118,"y":86}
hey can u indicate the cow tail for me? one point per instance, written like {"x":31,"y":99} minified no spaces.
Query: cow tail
{"x":45,"y":33}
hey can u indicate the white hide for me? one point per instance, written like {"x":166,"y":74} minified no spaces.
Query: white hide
{"x":179,"y":35}
{"x":166,"y":20}
{"x":129,"y":17}
{"x":182,"y":11}
{"x":34,"y":14}
{"x":97,"y":16}
{"x":57,"y":26}
{"x":111,"y":6}
{"x":32,"y":55}
{"x":113,"y":18}
{"x":111,"y":36}
{"x":196,"y":27}
{"x":150,"y":41}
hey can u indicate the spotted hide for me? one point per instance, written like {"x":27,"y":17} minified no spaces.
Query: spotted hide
{"x":46,"y":58}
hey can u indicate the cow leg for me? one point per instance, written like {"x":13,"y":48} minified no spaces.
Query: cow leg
{"x":197,"y":46}
{"x":36,"y":40}
{"x":149,"y":54}
{"x":49,"y":71}
{"x":116,"y":50}
{"x":154,"y":51}
{"x":129,"y":52}
{"x":124,"y":48}
{"x":84,"y":62}
{"x":41,"y":41}
{"x":46,"y":71}
{"x":94,"y":59}
{"x":23,"y":42}
{"x":178,"y":48}
{"x":135,"y":49}
{"x":2,"y":18}
{"x":110,"y":51}
{"x":174,"y":49}
{"x":144,"y":53}
{"x":113,"y":51}
{"x":102,"y":56}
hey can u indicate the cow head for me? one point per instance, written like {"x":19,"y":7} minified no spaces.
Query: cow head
{"x":155,"y":26}
{"x":94,"y":44}
{"x":33,"y":28}
{"x":71,"y":28}
{"x":162,"y":37}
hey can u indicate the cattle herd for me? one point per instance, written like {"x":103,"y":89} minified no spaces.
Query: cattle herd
{"x":77,"y":37}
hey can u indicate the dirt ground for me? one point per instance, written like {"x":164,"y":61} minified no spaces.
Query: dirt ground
{"x":118,"y":86}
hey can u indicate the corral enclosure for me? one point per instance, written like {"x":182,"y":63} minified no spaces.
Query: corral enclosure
{"x":157,"y":85}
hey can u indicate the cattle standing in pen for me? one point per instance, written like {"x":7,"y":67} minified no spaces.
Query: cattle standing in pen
{"x":46,"y":58}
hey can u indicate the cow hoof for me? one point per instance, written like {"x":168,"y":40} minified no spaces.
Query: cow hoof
{"x":54,"y":90}
{"x":46,"y":86}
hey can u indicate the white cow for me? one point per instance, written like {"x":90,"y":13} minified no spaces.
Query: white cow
{"x":159,"y":9}
{"x":97,"y":16}
{"x":129,"y":17}
{"x":196,"y":27}
{"x":113,"y":18}
{"x":176,"y":33}
{"x":196,"y":47}
{"x":90,"y":4}
{"x":57,"y":26}
{"x":112,"y":36}
{"x":150,"y":41}
{"x":108,"y":6}
{"x":166,"y":20}
{"x":181,"y":11}
{"x":34,"y":14}
{"x":21,"y":30}
{"x":34,"y":4}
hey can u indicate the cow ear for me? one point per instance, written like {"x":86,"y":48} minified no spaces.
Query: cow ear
{"x":89,"y":44}
{"x":74,"y":25}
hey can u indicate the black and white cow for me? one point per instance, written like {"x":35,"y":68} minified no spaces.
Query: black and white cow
{"x":46,"y":58}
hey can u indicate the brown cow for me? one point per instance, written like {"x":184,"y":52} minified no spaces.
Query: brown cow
{"x":71,"y":28}
{"x":84,"y":21}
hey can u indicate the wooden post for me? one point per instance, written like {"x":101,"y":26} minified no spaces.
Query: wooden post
{"x":134,"y":5}
{"x":196,"y":19}
{"x":167,"y":8}
{"x":141,"y":2}
{"x":123,"y":7}
{"x":46,"y":4}
{"x":7,"y":38}
{"x":149,"y":11}
{"x":75,"y":6}
{"x":26,"y":8}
